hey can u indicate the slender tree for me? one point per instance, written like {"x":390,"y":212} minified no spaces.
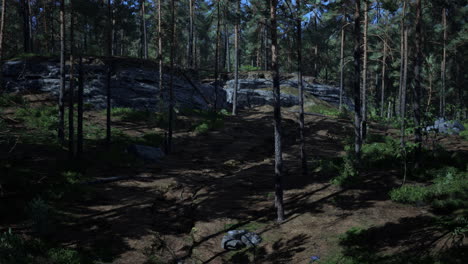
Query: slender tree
{"x":160,"y":53}
{"x":417,"y":82}
{"x":342,"y":44}
{"x":357,"y":79}
{"x":277,"y":114}
{"x":71,"y":129}
{"x":236,"y":58}
{"x":301,"y":88}
{"x":143,"y":27}
{"x":109,"y":72}
{"x":218,"y":39}
{"x":402,"y":56}
{"x":364,"y":74}
{"x":443,"y":64}
{"x":171,"y":80}
{"x":2,"y":32}
{"x":191,"y":33}
{"x":61,"y":103}
{"x":384,"y":77}
{"x":403,"y":88}
{"x":79,"y":136}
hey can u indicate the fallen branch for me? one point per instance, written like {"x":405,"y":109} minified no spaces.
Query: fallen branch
{"x":114,"y":179}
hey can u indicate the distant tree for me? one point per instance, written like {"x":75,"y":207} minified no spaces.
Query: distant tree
{"x":443,"y":70}
{"x":277,"y":114}
{"x":191,"y":39}
{"x":417,"y":83}
{"x":171,"y":80}
{"x":144,"y":38}
{"x":364,"y":74}
{"x":109,"y":72}
{"x":218,"y":39}
{"x":160,"y":52}
{"x":79,"y":137}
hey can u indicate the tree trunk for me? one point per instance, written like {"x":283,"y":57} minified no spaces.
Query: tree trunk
{"x":26,"y":26}
{"x":61,"y":103}
{"x":301,"y":88}
{"x":109,"y":72}
{"x":417,"y":83}
{"x":79,"y":136}
{"x":171,"y":81}
{"x":357,"y":80}
{"x":71,"y":129}
{"x":402,"y":56}
{"x":191,"y":32}
{"x":218,"y":39}
{"x":2,"y":32}
{"x":443,"y":64}
{"x":160,"y":53}
{"x":384,"y":64}
{"x":277,"y":115}
{"x":364,"y":75}
{"x":145,"y":38}
{"x":236,"y":58}
{"x":342,"y":61}
{"x":403,"y":87}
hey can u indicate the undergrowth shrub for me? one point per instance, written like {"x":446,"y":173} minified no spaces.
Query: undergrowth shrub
{"x":44,"y":118}
{"x":348,"y":172}
{"x":7,"y":100}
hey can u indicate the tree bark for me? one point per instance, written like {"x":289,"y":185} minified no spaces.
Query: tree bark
{"x":109,"y":72}
{"x":61,"y":103}
{"x":171,"y":81}
{"x":71,"y":129}
{"x":2,"y":32}
{"x":160,"y":53}
{"x":384,"y":64}
{"x":236,"y":58}
{"x":145,"y":38}
{"x":277,"y":115}
{"x":417,"y":83}
{"x":342,"y":61}
{"x":403,"y":88}
{"x":357,"y":80}
{"x":218,"y":39}
{"x":364,"y":75}
{"x":402,"y":56}
{"x":79,"y":136}
{"x":191,"y":33}
{"x":301,"y":88}
{"x":443,"y":64}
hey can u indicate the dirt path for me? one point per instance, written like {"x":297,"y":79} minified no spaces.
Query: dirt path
{"x":181,"y":208}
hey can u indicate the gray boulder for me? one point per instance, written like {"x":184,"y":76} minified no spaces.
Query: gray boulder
{"x":146,"y":153}
{"x":133,"y":86}
{"x":446,"y":127}
{"x":236,"y":239}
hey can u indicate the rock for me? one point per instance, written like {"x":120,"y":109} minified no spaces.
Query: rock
{"x":236,"y":239}
{"x":134,"y":86}
{"x":255,"y":92}
{"x":146,"y":153}
{"x":446,"y":127}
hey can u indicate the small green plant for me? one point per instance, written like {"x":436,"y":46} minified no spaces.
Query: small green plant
{"x":326,"y":110}
{"x":41,"y":216}
{"x":349,"y":174}
{"x":63,"y":256}
{"x":410,"y":194}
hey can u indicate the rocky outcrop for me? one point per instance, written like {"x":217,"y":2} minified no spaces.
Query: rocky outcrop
{"x":253,"y":92}
{"x":134,"y":86}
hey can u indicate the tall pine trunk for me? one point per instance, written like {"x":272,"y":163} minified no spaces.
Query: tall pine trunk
{"x":301,"y":88}
{"x":342,"y":44}
{"x":417,"y":83}
{"x":218,"y":39}
{"x":403,"y":88}
{"x":357,"y":79}
{"x":109,"y":72}
{"x":2,"y":32}
{"x":79,"y":136}
{"x":277,"y":115}
{"x":402,"y":57}
{"x":171,"y":80}
{"x":364,"y":75}
{"x":61,"y":103}
{"x":191,"y":33}
{"x":71,"y":129}
{"x":143,"y":26}
{"x":236,"y":58}
{"x":384,"y":77}
{"x":160,"y":53}
{"x":443,"y":64}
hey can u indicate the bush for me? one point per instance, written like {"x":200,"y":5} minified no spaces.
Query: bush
{"x":410,"y":194}
{"x":63,"y":256}
{"x":349,"y":174}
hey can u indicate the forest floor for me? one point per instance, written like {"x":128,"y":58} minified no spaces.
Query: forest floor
{"x":180,"y":207}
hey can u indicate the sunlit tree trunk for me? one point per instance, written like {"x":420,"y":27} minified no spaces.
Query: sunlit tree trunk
{"x":277,"y":115}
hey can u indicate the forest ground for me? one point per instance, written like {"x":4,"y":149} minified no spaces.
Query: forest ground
{"x":221,"y":180}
